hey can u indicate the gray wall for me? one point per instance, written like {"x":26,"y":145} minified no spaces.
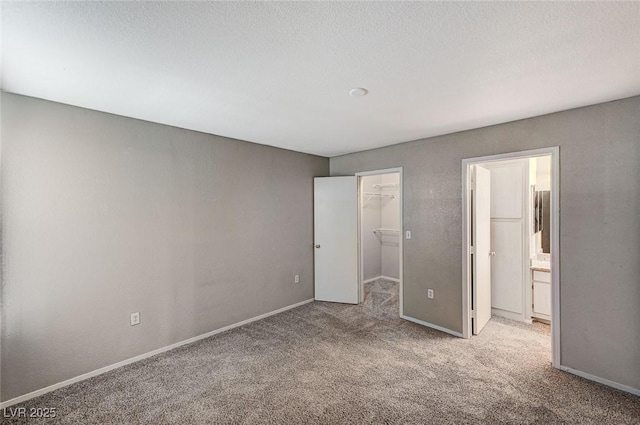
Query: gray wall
{"x":105,"y":215}
{"x":599,"y":226}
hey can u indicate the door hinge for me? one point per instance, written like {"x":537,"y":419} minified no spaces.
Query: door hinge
{"x":472,"y":250}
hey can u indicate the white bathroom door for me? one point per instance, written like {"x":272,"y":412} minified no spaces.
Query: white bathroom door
{"x":336,"y":239}
{"x":506,"y":266}
{"x":481,"y":216}
{"x":508,"y":196}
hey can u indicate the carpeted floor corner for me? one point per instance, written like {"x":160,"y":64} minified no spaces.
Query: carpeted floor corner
{"x":326,"y":363}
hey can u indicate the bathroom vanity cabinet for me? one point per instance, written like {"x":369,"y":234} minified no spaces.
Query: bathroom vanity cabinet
{"x":541,"y":284}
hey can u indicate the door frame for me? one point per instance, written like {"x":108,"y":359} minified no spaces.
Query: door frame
{"x":360,"y":175}
{"x":474,"y":230}
{"x":554,"y":152}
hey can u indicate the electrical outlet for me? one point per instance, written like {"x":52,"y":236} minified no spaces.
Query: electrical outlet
{"x":296,"y":278}
{"x":135,"y":318}
{"x":430,"y":293}
{"x":407,"y":234}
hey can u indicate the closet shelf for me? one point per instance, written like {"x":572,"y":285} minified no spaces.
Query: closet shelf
{"x":384,"y":231}
{"x":384,"y":185}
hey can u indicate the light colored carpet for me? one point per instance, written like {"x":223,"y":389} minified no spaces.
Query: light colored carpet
{"x":328,"y":363}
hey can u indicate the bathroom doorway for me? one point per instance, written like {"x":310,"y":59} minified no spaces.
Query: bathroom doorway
{"x":511,"y":240}
{"x":380,"y":239}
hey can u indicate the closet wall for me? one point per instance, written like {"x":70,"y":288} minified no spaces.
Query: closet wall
{"x":380,"y":226}
{"x":371,"y":219}
{"x":390,"y":219}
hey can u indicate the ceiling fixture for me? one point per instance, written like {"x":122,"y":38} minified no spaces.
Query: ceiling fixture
{"x":358,"y":92}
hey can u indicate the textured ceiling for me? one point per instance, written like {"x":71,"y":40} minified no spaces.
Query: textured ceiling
{"x":280,"y":73}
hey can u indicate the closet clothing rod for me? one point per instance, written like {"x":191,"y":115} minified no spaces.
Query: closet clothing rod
{"x":386,"y":231}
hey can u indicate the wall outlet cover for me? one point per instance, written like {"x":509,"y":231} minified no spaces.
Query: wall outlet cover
{"x":296,"y":278}
{"x":430,"y":293}
{"x":135,"y":318}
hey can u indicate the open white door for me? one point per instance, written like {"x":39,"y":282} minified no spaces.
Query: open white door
{"x":481,"y":239}
{"x":336,"y":239}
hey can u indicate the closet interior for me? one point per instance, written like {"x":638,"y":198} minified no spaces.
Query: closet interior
{"x":380,"y":227}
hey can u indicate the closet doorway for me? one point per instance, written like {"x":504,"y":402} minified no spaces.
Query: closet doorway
{"x":380,"y":237}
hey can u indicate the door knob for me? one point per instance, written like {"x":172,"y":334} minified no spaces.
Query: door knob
{"x":317,"y":246}
{"x":492,"y":253}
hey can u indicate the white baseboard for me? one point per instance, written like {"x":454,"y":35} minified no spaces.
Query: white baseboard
{"x":105,"y":369}
{"x":372,"y":279}
{"x":508,"y":315}
{"x":393,"y":279}
{"x":431,"y":325}
{"x":602,"y":381}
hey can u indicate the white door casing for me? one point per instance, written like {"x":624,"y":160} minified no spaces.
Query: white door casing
{"x":467,"y":165}
{"x":336,"y":239}
{"x":360,"y":175}
{"x":481,"y":216}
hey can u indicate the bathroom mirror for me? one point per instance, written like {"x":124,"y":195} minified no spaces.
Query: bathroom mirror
{"x":545,"y":220}
{"x":537,"y":211}
{"x":541,"y":218}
